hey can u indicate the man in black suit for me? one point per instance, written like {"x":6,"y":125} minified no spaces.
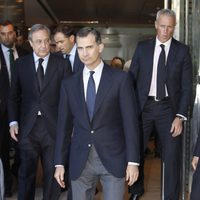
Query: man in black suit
{"x":64,"y":37}
{"x":162,"y":72}
{"x":33,"y":108}
{"x":7,"y":38}
{"x":99,"y":103}
{"x":196,"y":176}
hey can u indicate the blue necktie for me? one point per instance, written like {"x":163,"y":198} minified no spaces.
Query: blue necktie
{"x":161,"y":74}
{"x":90,"y":95}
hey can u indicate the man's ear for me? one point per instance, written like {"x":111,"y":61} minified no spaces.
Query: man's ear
{"x":156,"y":24}
{"x":101,"y":47}
{"x":30,"y":42}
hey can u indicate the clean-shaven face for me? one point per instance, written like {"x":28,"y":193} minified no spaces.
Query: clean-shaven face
{"x":89,"y":51}
{"x":165,"y":26}
{"x":40,"y":43}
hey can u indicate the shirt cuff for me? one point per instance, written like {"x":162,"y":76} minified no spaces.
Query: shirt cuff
{"x":133,"y":163}
{"x":184,"y":118}
{"x":13,"y":123}
{"x":59,"y":165}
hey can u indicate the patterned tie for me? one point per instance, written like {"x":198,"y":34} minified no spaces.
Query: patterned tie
{"x":40,"y":73}
{"x":11,"y":59}
{"x":161,"y":74}
{"x":91,"y":95}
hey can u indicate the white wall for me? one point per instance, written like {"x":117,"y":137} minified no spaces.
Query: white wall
{"x":122,"y":41}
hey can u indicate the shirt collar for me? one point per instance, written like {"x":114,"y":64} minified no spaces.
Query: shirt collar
{"x":167,"y":44}
{"x":73,"y":50}
{"x":36,"y":58}
{"x":97,"y":69}
{"x":5,"y":49}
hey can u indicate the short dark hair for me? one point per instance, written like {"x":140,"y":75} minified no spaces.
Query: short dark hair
{"x":6,"y":23}
{"x":66,"y":30}
{"x":118,"y":58}
{"x":85,"y":31}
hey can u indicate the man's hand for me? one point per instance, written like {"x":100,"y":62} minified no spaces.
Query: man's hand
{"x":14,"y":131}
{"x":195,"y":161}
{"x":177,"y":127}
{"x":132,"y":174}
{"x":59,"y":175}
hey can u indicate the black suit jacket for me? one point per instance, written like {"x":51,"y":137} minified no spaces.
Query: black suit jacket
{"x":4,"y":79}
{"x":179,"y":74}
{"x":113,"y":130}
{"x":25,"y":100}
{"x":78,"y":65}
{"x":197,"y":147}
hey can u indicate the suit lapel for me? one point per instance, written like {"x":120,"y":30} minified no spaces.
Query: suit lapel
{"x":32,"y":71}
{"x":3,"y":62}
{"x":171,"y":55}
{"x":78,"y":65}
{"x":148,"y":56}
{"x":3,"y":67}
{"x":104,"y":86}
{"x":50,"y":71}
{"x":79,"y":89}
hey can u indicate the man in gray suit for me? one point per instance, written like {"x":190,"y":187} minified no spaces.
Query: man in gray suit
{"x":99,"y":103}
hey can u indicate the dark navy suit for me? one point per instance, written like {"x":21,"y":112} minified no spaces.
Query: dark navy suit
{"x":77,"y":66}
{"x":196,"y":176}
{"x":161,"y":114}
{"x":36,"y":133}
{"x":4,"y":127}
{"x":113,"y":130}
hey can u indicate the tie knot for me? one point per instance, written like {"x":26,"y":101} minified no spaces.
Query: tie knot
{"x":91,"y":73}
{"x":162,"y":46}
{"x":41,"y":60}
{"x":10,"y":50}
{"x":67,"y":56}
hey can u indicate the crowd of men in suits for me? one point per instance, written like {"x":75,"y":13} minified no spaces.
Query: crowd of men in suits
{"x":87,"y":121}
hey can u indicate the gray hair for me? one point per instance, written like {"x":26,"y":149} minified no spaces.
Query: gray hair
{"x":38,"y":27}
{"x":166,"y":12}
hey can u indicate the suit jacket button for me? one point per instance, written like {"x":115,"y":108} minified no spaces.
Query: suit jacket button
{"x":89,"y":145}
{"x":92,"y":132}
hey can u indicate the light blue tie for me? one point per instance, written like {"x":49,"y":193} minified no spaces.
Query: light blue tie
{"x":91,"y":95}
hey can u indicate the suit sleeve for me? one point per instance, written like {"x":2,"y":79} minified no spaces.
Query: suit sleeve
{"x":67,"y":68}
{"x":64,"y":128}
{"x":186,"y":84}
{"x":134,"y":67}
{"x":197,"y":147}
{"x":14,"y":95}
{"x":128,"y":108}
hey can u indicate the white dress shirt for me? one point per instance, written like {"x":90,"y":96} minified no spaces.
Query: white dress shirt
{"x":153,"y":87}
{"x":72,"y":54}
{"x":6,"y":54}
{"x":97,"y":76}
{"x":44,"y":63}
